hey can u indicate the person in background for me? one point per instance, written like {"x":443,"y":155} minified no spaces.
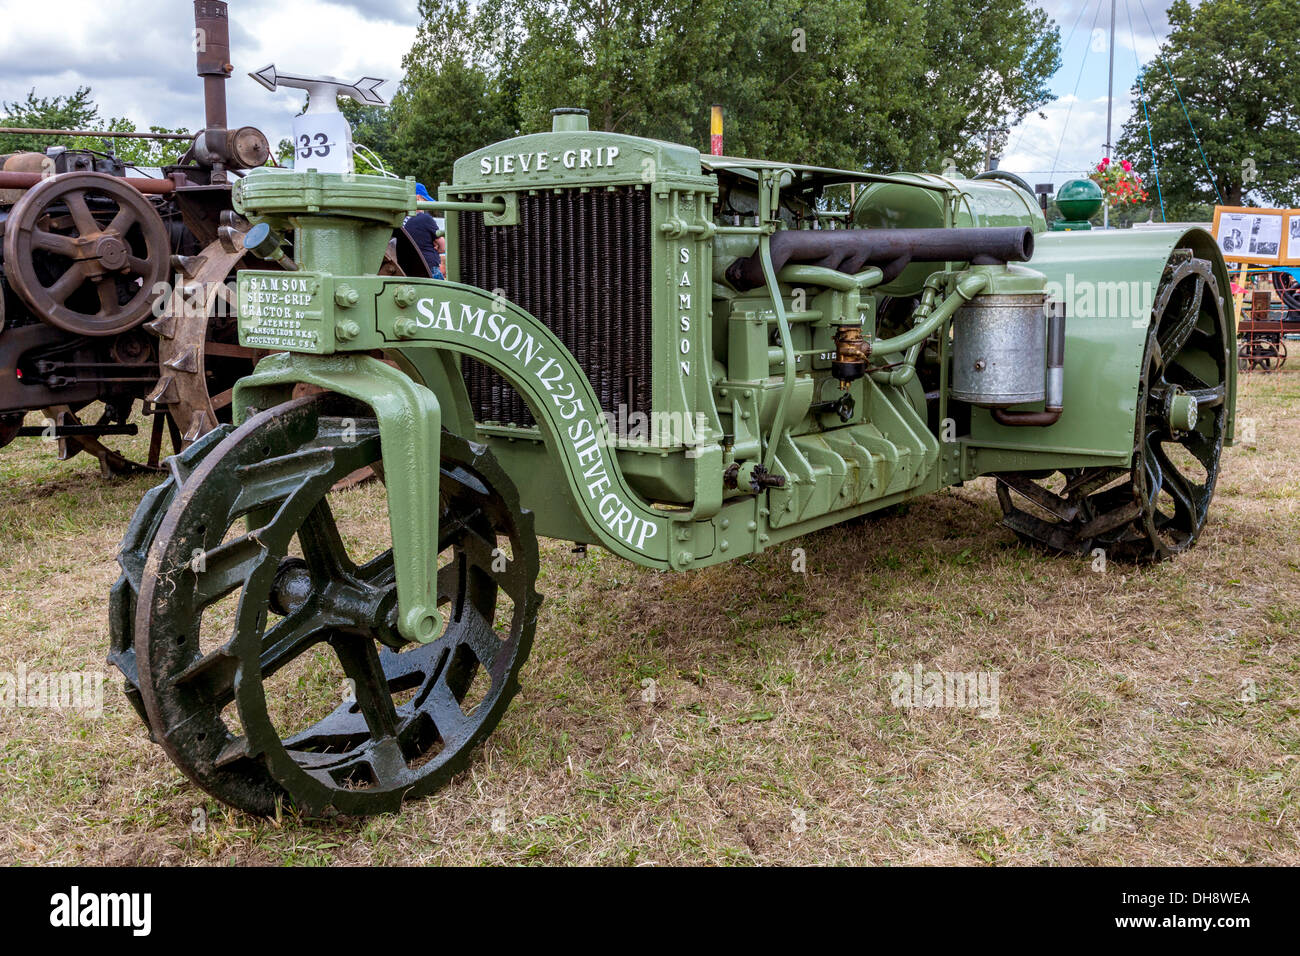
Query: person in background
{"x":424,"y":231}
{"x":441,"y":245}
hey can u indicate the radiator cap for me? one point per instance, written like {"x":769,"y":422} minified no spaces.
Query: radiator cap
{"x":567,"y":119}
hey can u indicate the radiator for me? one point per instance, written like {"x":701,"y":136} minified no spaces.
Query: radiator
{"x":579,"y":262}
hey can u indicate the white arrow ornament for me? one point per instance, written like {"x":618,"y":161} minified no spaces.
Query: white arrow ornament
{"x":322,"y":137}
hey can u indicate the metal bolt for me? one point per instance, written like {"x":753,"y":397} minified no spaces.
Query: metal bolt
{"x":346,"y":330}
{"x":405,"y":296}
{"x":346,"y":297}
{"x":405,"y":328}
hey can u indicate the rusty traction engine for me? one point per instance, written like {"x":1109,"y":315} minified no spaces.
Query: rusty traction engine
{"x":116,"y":289}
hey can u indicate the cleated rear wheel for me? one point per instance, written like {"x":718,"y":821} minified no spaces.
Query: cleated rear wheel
{"x":1157,"y":507}
{"x":266,"y":653}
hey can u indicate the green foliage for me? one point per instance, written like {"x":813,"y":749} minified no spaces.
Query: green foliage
{"x":884,"y":84}
{"x":459,"y":93}
{"x":1234,"y":62}
{"x":146,"y":152}
{"x":78,"y":111}
{"x":373,"y":127}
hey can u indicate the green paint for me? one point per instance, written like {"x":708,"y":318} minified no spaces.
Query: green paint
{"x":747,"y":373}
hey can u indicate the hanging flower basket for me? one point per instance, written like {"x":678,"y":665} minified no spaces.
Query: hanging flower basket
{"x":1122,"y":186}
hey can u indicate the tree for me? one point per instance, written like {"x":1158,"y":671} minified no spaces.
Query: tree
{"x":143,"y":153}
{"x":374,"y":128}
{"x":78,"y":111}
{"x":457,"y":95}
{"x":1233,"y":61}
{"x":882,"y":84}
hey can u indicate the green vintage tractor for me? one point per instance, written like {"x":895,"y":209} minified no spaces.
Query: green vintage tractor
{"x":683,"y":359}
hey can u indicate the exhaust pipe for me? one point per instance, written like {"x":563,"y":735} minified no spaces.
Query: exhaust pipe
{"x":218,"y":146}
{"x":852,"y":250}
{"x":212,"y":47}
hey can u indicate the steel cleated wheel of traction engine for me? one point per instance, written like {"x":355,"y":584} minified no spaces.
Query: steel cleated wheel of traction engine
{"x":1157,"y":507}
{"x":199,"y":356}
{"x":239,"y":589}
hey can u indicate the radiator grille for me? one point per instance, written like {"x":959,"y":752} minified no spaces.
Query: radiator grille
{"x":579,"y":262}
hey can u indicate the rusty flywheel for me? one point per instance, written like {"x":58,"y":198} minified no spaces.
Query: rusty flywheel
{"x":86,"y":251}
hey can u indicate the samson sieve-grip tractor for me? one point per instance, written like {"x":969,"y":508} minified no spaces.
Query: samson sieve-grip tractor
{"x":683,"y":359}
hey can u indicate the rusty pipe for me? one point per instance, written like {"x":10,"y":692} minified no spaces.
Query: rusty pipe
{"x":91,"y":133}
{"x":212,"y":49}
{"x":1022,"y":419}
{"x":153,"y":187}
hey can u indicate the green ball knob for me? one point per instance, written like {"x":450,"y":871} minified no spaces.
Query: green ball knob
{"x":1079,"y":199}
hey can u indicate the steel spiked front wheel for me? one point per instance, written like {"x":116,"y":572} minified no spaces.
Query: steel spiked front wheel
{"x":268,"y":660}
{"x":1157,"y":507}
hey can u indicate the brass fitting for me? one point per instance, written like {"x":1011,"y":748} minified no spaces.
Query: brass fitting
{"x":851,"y":352}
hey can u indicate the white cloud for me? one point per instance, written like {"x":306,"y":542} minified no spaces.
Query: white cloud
{"x":136,"y":54}
{"x":1071,"y":139}
{"x":1068,"y":143}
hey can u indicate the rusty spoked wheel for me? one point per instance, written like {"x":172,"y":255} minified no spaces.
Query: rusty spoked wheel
{"x":1261,"y":354}
{"x":266,"y":655}
{"x":1157,"y":507}
{"x":199,"y":355}
{"x":85,"y":252}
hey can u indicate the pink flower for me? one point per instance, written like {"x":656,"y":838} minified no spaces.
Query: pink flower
{"x":1101,"y":167}
{"x":1126,"y":166}
{"x":1106,"y":161}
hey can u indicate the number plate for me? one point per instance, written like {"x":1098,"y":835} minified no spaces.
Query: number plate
{"x":323,"y":142}
{"x":283,"y":312}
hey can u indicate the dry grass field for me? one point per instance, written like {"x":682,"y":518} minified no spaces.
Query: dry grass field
{"x":1147,"y":716}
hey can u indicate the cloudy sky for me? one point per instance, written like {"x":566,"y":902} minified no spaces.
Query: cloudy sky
{"x":1071,"y":139}
{"x":135,"y":55}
